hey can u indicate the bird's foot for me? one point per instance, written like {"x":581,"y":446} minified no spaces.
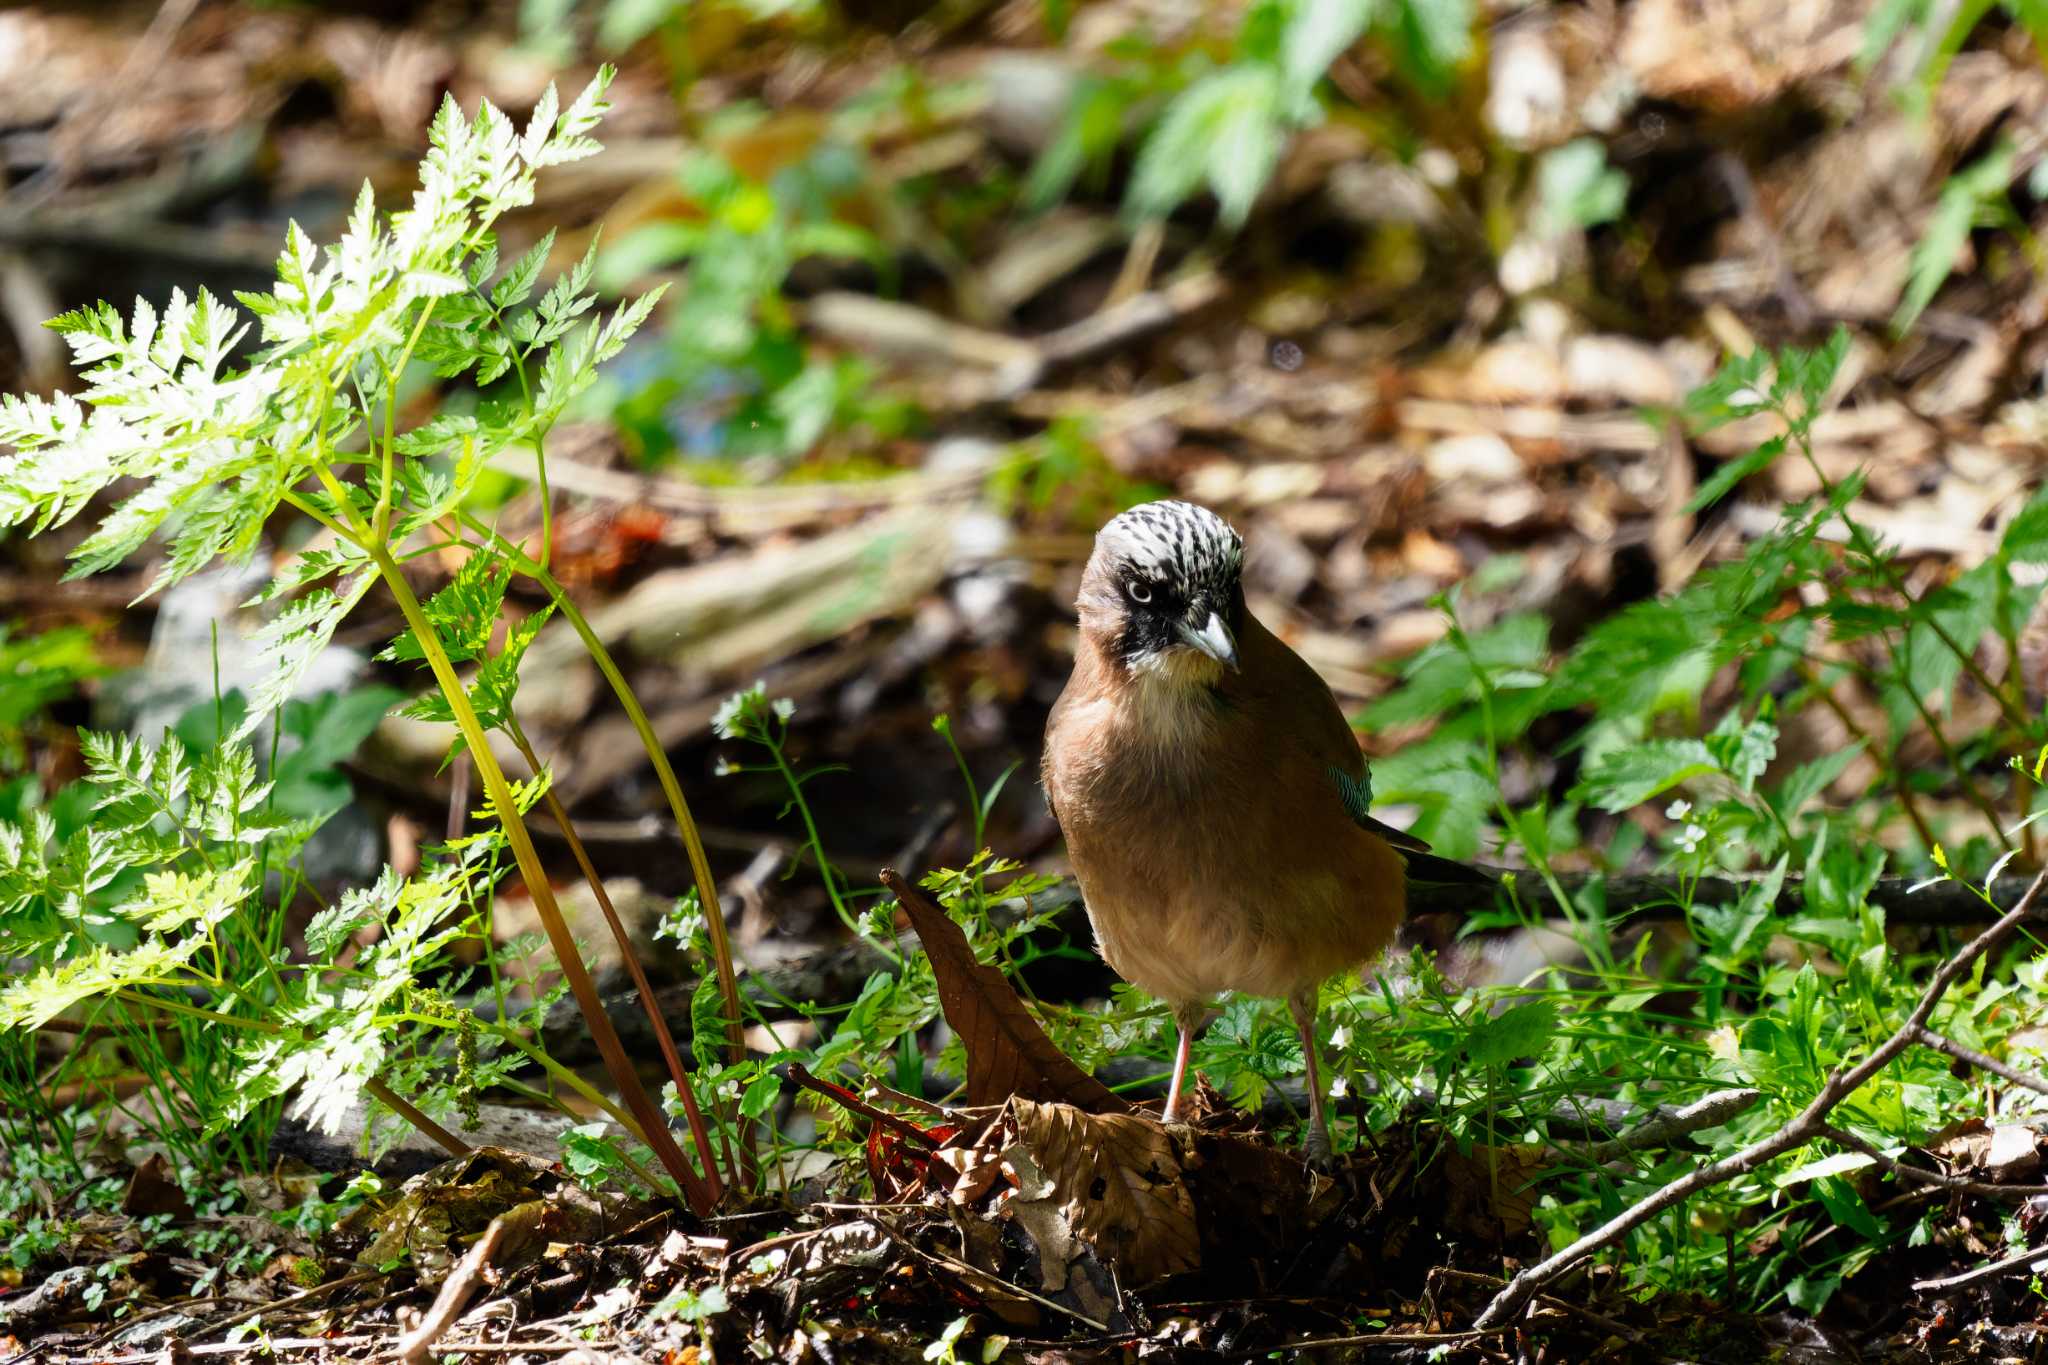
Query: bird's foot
{"x":1317,"y":1153}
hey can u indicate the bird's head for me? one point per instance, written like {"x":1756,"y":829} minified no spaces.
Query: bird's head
{"x":1161,"y":594}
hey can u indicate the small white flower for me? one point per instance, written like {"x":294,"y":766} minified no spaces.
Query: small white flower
{"x":1339,"y":1088}
{"x":1678,"y":810}
{"x":1689,"y":838}
{"x":1747,"y":398}
{"x":1340,"y":1037}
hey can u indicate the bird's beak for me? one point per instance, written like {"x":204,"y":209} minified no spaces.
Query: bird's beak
{"x":1213,"y":639}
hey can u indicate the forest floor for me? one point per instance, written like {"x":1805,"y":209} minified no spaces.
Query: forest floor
{"x":1379,"y":435}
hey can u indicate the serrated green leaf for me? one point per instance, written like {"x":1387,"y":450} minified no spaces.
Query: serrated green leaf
{"x":707,"y":1022}
{"x":1626,"y":778}
{"x":1731,"y":472}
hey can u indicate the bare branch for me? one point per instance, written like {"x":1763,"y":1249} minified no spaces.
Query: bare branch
{"x":2025,"y":1260}
{"x":1922,"y":1176}
{"x":1982,"y":1061}
{"x":1648,"y":898}
{"x":1708,"y":1111}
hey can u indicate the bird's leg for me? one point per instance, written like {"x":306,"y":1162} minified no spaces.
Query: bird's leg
{"x":1302,"y":1005}
{"x":1187,"y":1018}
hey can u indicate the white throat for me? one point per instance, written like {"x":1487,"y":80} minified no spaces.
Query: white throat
{"x":1171,"y":706}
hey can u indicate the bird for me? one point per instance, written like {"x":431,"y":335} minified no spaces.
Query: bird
{"x":1213,"y":798}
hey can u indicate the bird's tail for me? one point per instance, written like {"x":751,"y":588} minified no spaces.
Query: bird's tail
{"x":1427,"y":869}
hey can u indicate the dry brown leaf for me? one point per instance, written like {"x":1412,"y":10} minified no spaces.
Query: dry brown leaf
{"x":1113,"y":1182}
{"x":154,"y":1189}
{"x":1492,"y":1192}
{"x":1007,"y":1051}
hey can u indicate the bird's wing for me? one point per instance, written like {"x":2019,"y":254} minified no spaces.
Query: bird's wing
{"x":1302,"y":702}
{"x":1356,"y":793}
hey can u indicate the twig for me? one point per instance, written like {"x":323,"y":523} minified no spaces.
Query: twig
{"x":1983,"y":1062}
{"x":455,"y":1294}
{"x":1961,"y":1184}
{"x":222,"y":1324}
{"x":1709,"y":1111}
{"x":2024,"y":1260}
{"x":846,"y":1099}
{"x":960,"y":1267}
{"x":1384,"y":1338}
{"x":413,"y":1115}
{"x":1658,"y":898}
{"x":1600,"y":1320}
{"x":1808,"y":1124}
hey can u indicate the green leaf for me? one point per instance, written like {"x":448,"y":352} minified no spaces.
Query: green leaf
{"x":1743,"y":750}
{"x":292,"y":640}
{"x":1726,"y":931}
{"x":2025,"y":539}
{"x":1087,"y":136}
{"x":1810,"y":779}
{"x":463,"y":614}
{"x":1523,"y":1030}
{"x":1432,"y":38}
{"x":1838,"y":1164}
{"x":687,"y":1305}
{"x":707,"y":1022}
{"x":1224,"y":129}
{"x":1963,"y":199}
{"x":1731,"y":472}
{"x":1771,"y":1056}
{"x":1317,"y":33}
{"x":760,"y":1095}
{"x":1577,"y":188}
{"x":1628,"y":777}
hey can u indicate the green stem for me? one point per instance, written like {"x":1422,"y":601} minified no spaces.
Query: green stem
{"x":817,"y":843}
{"x":506,"y":808}
{"x":1868,"y":548}
{"x":676,"y":1070}
{"x":380,"y":520}
{"x":693,"y":843}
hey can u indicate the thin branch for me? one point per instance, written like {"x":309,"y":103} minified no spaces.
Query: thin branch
{"x":679,"y":1073}
{"x":2025,"y":1260}
{"x":413,"y":1115}
{"x":1983,"y":1062}
{"x":1650,"y":898}
{"x":1808,"y":1124}
{"x":1709,"y":1111}
{"x":456,"y":1292}
{"x":1920,"y":1175}
{"x":798,"y":1075}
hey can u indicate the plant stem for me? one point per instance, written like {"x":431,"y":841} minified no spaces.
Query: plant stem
{"x":410,"y":1112}
{"x":506,"y":807}
{"x":693,"y":843}
{"x":381,"y":1092}
{"x":380,"y":520}
{"x":676,"y":1070}
{"x":1868,"y":548}
{"x":1907,"y":800}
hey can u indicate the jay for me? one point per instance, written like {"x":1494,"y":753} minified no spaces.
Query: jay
{"x":1212,"y":795}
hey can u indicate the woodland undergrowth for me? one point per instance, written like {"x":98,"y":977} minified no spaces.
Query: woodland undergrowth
{"x":146,"y":907}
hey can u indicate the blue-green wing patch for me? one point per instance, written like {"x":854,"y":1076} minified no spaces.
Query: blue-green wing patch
{"x":1356,"y":792}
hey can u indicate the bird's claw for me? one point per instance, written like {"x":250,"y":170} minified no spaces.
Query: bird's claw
{"x":1317,"y":1154}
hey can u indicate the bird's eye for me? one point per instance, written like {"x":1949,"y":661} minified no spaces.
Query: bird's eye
{"x":1140,"y":592}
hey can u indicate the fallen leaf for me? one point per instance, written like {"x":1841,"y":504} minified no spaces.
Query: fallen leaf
{"x":153,"y":1189}
{"x":1114,"y":1181}
{"x":1008,"y":1052}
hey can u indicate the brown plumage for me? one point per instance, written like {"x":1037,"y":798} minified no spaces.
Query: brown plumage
{"x":1211,"y":792}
